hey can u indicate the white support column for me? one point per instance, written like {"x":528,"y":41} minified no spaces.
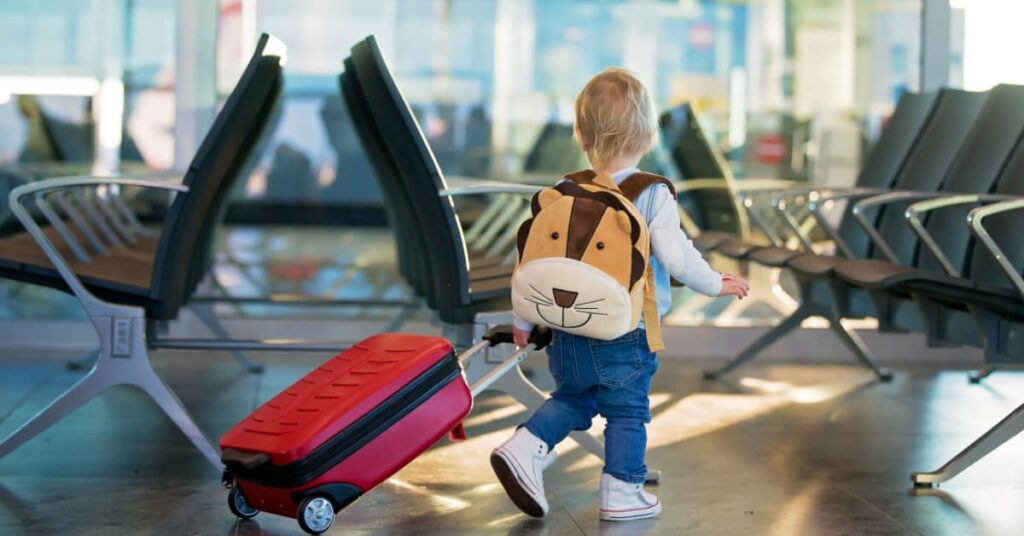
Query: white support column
{"x":108,"y":101}
{"x":640,"y":44}
{"x":195,"y":87}
{"x":514,"y":50}
{"x":935,"y":41}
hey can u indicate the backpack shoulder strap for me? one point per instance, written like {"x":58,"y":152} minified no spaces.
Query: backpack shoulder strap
{"x":635,"y":184}
{"x":589,"y":177}
{"x":583,"y":176}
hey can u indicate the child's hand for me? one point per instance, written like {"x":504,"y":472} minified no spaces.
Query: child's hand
{"x":734,"y":286}
{"x":520,"y":337}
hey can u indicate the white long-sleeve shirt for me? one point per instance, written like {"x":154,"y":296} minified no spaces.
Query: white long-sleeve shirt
{"x":672,"y":252}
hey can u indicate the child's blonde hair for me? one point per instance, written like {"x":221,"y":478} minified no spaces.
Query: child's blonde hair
{"x":614,"y":117}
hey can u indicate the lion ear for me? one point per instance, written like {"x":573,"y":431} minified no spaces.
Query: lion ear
{"x":544,"y":198}
{"x":624,"y":221}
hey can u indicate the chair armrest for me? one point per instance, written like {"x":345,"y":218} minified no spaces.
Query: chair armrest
{"x":860,"y":208}
{"x":489,"y":187}
{"x":93,"y":305}
{"x":824,"y":202}
{"x":533,"y":179}
{"x":914,"y":212}
{"x":976,"y":222}
{"x":739,"y":185}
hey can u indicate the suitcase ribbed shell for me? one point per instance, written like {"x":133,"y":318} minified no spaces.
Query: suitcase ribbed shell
{"x":334,"y":395}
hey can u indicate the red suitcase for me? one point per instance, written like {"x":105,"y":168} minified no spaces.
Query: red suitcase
{"x":344,"y":428}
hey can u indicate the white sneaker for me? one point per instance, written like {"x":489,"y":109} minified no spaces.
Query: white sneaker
{"x":622,"y":501}
{"x":519,"y":464}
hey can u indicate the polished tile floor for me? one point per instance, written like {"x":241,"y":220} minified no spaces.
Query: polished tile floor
{"x":779,"y":450}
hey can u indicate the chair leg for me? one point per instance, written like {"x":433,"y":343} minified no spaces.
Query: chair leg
{"x":205,"y":314}
{"x":1007,"y":428}
{"x":152,"y":385}
{"x":860,"y":350}
{"x":790,"y":323}
{"x":516,"y":385}
{"x":77,"y":396}
{"x":134,"y":369}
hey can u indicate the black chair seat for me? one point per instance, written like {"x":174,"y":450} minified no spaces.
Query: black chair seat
{"x":874,"y":273}
{"x":776,"y":257}
{"x":814,"y":265}
{"x":961,"y":293}
{"x":480,"y":260}
{"x":490,"y":272}
{"x":709,"y":240}
{"x":490,"y":288}
{"x":736,"y":248}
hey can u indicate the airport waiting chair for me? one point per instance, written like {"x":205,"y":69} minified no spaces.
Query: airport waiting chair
{"x":465,"y":305}
{"x":789,"y":232}
{"x":965,"y":286}
{"x":935,"y":242}
{"x":128,"y":291}
{"x":994,"y":298}
{"x":714,"y":213}
{"x":412,"y":264}
{"x":714,"y":209}
{"x":456,"y":294}
{"x":881,"y":167}
{"x":928,"y":161}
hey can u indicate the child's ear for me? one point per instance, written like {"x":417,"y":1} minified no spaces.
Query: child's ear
{"x":624,"y":221}
{"x":544,"y":198}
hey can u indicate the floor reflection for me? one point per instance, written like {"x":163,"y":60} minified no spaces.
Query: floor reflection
{"x":783,"y":449}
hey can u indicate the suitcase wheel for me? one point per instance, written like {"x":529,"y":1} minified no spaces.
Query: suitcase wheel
{"x":315,"y":514}
{"x":239,"y":506}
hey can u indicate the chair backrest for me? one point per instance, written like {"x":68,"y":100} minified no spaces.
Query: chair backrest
{"x":408,"y":235}
{"x":978,"y":168}
{"x":187,"y":240}
{"x":888,"y":155}
{"x":554,"y":151}
{"x":696,"y":158}
{"x":421,"y":177}
{"x":72,"y":142}
{"x":932,"y":156}
{"x":1006,"y":229}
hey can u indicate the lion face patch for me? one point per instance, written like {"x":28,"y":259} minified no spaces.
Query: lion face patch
{"x":580,"y":262}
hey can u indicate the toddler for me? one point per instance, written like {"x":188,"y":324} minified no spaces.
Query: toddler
{"x":615,"y":126}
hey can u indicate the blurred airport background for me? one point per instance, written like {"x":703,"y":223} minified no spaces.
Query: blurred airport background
{"x":790,"y":89}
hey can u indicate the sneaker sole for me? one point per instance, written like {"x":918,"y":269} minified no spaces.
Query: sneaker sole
{"x":507,"y":476}
{"x":645,"y":513}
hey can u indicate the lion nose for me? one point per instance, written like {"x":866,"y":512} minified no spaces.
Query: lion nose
{"x":564,"y":298}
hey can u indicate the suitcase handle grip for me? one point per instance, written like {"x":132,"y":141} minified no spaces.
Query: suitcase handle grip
{"x":502,"y":334}
{"x":249,"y":460}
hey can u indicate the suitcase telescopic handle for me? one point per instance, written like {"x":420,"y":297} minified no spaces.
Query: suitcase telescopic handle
{"x":539,"y":338}
{"x":502,"y":334}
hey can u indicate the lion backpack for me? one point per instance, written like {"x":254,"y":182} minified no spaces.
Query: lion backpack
{"x":583,"y":264}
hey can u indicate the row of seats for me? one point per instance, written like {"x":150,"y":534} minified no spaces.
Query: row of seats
{"x":928,"y":241}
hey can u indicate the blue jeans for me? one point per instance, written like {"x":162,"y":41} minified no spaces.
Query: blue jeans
{"x":612,"y":378}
